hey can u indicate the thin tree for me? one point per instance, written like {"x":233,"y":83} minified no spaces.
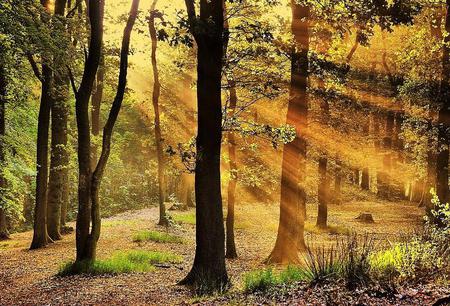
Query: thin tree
{"x":443,"y":121}
{"x":40,"y":234}
{"x":4,"y":234}
{"x":209,"y":268}
{"x":155,"y":99}
{"x":290,"y":236}
{"x":88,"y":220}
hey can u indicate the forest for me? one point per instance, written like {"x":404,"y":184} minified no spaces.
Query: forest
{"x":224,"y":152}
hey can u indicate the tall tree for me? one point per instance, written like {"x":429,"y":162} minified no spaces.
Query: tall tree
{"x":40,"y":234}
{"x":155,"y":99}
{"x":89,"y":182}
{"x":290,"y":236}
{"x":443,"y":121}
{"x":86,"y":239}
{"x":58,"y":189}
{"x":209,"y":264}
{"x":4,"y":234}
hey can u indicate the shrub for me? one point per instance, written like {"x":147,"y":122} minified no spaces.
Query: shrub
{"x":260,"y":280}
{"x":421,"y":256}
{"x":157,"y":237}
{"x":121,"y":262}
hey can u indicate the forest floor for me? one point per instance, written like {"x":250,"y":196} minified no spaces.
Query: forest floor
{"x":29,"y":277}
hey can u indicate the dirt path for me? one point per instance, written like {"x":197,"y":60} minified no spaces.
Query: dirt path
{"x":28,"y":277}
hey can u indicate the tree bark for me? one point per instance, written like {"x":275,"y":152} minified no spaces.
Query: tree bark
{"x":209,"y":268}
{"x":97,"y":98}
{"x":59,"y":159}
{"x":4,"y":234}
{"x":86,"y":239}
{"x":290,"y":238}
{"x":324,"y":185}
{"x":158,"y":134}
{"x":443,"y":122}
{"x":230,"y":243}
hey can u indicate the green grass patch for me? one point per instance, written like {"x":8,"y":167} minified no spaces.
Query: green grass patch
{"x":262,"y":280}
{"x":121,"y":262}
{"x":157,"y":237}
{"x":187,"y":218}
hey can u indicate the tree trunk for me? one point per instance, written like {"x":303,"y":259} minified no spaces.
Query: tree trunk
{"x":338,"y":181}
{"x":86,"y":240}
{"x":4,"y":234}
{"x":209,"y":264}
{"x":40,"y":234}
{"x":290,"y":236}
{"x":442,"y":159}
{"x":324,"y":185}
{"x":230,"y":243}
{"x":59,"y":160}
{"x":158,"y":135}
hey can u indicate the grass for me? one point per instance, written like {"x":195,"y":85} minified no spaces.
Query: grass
{"x":157,"y":237}
{"x":187,"y":218}
{"x":121,"y":262}
{"x":262,"y":280}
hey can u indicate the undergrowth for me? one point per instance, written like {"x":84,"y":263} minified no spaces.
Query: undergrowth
{"x":358,"y":262}
{"x":157,"y":237}
{"x":121,"y":262}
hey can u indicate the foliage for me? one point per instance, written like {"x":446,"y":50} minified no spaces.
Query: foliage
{"x":121,"y":262}
{"x":156,"y":236}
{"x":424,"y":255}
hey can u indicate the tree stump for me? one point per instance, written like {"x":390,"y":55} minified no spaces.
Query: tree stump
{"x":365,"y":218}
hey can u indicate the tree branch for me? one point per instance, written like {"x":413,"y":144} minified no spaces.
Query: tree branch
{"x":191,"y":12}
{"x":72,"y":81}
{"x":34,"y":66}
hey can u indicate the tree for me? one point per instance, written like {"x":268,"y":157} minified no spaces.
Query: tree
{"x":40,"y":234}
{"x":4,"y":234}
{"x":58,"y":189}
{"x":155,"y":99}
{"x":209,"y":268}
{"x":293,"y":194}
{"x":89,"y":182}
{"x":442,"y":160}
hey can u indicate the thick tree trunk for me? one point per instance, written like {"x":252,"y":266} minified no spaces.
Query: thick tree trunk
{"x":442,"y":159}
{"x":4,"y":234}
{"x":59,"y":160}
{"x":209,"y":264}
{"x":324,"y":185}
{"x":293,"y":194}
{"x":158,"y":134}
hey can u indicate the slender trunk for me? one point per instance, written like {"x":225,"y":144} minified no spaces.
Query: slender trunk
{"x":230,"y":243}
{"x":322,"y":215}
{"x":4,"y":234}
{"x":338,"y":181}
{"x":158,"y":135}
{"x":86,"y":239}
{"x":40,"y":235}
{"x":442,"y":159}
{"x":209,"y":264}
{"x":59,"y":160}
{"x":290,"y":236}
{"x":384,"y":175}
{"x":365,"y":175}
{"x":324,"y":182}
